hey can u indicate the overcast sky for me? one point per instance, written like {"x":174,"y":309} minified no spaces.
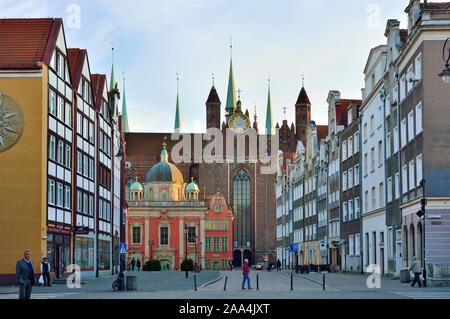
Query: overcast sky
{"x":326,"y":40}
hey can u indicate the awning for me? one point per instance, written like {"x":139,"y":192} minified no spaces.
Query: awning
{"x":307,"y":258}
{"x":317,"y":255}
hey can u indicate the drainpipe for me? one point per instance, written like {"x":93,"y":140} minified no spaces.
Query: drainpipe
{"x":399,"y":153}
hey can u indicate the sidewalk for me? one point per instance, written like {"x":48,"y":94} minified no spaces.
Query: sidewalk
{"x":357,"y":282}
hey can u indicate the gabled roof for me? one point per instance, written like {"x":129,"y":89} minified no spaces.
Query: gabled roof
{"x":25,"y":42}
{"x":213,"y":96}
{"x":76,"y":60}
{"x":98,"y":82}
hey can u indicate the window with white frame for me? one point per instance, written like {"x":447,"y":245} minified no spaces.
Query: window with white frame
{"x":410,"y":125}
{"x":349,"y":117}
{"x":419,"y":169}
{"x":356,"y":139}
{"x":350,"y":146}
{"x":419,"y":118}
{"x":357,"y":245}
{"x":405,"y":178}
{"x":344,"y":211}
{"x":410,"y":83}
{"x":418,"y":66}
{"x":344,"y":181}
{"x":388,"y":144}
{"x":366,"y":201}
{"x":350,"y":177}
{"x":350,"y":210}
{"x":372,"y":126}
{"x":51,"y":191}
{"x":344,"y":150}
{"x":403,"y":132}
{"x":397,"y":185}
{"x":412,"y":182}
{"x":402,"y":87}
{"x":356,"y":173}
{"x":381,"y":192}
{"x":356,"y":208}
{"x":374,"y":198}
{"x":372,"y":159}
{"x":395,"y":137}
{"x":351,"y":247}
{"x":380,"y":153}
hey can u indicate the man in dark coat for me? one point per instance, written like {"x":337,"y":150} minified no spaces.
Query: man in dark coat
{"x":133,"y":263}
{"x":278,"y":265}
{"x":25,"y":275}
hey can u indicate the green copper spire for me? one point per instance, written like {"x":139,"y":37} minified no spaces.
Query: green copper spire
{"x":269,"y":124}
{"x":124,"y":110}
{"x":177,"y":126}
{"x":231,"y":95}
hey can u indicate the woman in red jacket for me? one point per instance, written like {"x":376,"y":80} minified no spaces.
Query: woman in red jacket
{"x":245,"y":271}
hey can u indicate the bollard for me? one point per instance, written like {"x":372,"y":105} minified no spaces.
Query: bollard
{"x":225,"y":284}
{"x":257,"y":282}
{"x":195,"y":282}
{"x":323,"y":284}
{"x":292,"y":282}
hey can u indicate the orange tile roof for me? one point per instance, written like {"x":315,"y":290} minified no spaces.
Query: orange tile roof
{"x":25,"y":42}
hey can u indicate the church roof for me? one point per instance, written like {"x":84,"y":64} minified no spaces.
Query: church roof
{"x":192,"y":186}
{"x":164,"y":171}
{"x":303,"y":97}
{"x":213,"y":96}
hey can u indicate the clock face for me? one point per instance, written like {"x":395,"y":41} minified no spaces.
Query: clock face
{"x":239,"y":123}
{"x":11,"y":122}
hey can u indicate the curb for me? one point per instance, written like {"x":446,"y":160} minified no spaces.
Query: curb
{"x":210,"y":282}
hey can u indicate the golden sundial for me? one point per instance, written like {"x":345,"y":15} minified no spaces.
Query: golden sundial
{"x":11,"y":122}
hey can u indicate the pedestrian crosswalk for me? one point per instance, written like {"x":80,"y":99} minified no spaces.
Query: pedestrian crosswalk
{"x":424,"y":294}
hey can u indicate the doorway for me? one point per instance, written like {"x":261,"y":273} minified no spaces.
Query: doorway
{"x":59,"y":262}
{"x":248,"y":255}
{"x":237,"y":259}
{"x":216,"y":265}
{"x":398,"y":258}
{"x":382,"y":261}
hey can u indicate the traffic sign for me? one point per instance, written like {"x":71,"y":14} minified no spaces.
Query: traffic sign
{"x":123,"y":249}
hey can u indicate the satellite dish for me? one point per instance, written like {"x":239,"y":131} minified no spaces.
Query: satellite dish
{"x":410,"y":77}
{"x":127,"y":165}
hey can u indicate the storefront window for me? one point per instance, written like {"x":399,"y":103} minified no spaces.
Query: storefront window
{"x":104,"y":254}
{"x":84,"y":253}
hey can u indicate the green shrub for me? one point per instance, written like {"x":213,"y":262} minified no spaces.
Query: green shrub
{"x":152,"y":265}
{"x":190,"y":265}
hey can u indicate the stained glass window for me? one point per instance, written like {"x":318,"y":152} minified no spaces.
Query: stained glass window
{"x":241,"y":205}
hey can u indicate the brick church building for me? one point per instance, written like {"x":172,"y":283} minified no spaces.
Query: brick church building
{"x":249,"y":191}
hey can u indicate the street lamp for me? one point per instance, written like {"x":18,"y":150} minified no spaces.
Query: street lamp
{"x":185,"y":237}
{"x":445,"y":74}
{"x":420,"y":214}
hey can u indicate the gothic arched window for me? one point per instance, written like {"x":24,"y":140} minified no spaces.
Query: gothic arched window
{"x":241,"y":208}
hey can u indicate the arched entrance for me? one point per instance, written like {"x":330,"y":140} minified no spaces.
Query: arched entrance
{"x":237,"y":258}
{"x":248,"y":255}
{"x":419,"y":251}
{"x":165,"y":264}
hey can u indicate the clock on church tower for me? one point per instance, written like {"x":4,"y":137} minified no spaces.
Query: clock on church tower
{"x":239,"y":123}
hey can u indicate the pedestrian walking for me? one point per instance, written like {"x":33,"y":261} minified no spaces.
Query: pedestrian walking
{"x":45,"y":271}
{"x":138,"y":264}
{"x":245,"y":272}
{"x":25,"y":275}
{"x":416,"y":268}
{"x":278,"y":265}
{"x":231,"y":264}
{"x":133,"y":264}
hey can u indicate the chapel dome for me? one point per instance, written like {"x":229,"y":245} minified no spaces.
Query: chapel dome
{"x":164,"y":171}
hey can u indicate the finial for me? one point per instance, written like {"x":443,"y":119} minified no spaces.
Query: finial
{"x":177,"y":81}
{"x":136,"y":178}
{"x":303,"y":81}
{"x":268,"y":80}
{"x":231,"y":47}
{"x":239,"y":93}
{"x":164,"y":142}
{"x":212,"y":78}
{"x":284,"y":110}
{"x":112,"y":50}
{"x":255,"y":113}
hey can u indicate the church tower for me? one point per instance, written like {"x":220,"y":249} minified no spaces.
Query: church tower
{"x":302,"y":115}
{"x":213,"y":109}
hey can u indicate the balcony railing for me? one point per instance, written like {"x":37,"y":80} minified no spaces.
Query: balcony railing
{"x":147,"y":203}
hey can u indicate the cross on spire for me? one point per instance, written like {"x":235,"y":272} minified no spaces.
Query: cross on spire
{"x":212,"y":78}
{"x":284,"y":111}
{"x":239,"y":93}
{"x":303,"y":81}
